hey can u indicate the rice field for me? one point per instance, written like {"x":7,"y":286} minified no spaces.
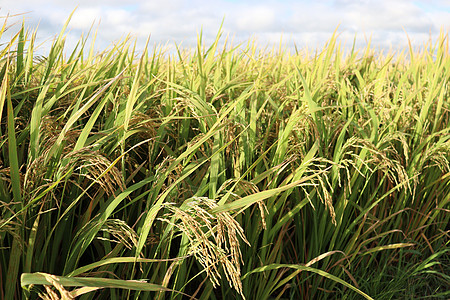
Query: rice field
{"x":223,"y":172}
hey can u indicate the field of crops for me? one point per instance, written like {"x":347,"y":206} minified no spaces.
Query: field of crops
{"x":223,"y":172}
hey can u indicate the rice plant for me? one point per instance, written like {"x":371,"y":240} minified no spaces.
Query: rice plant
{"x":223,"y":172}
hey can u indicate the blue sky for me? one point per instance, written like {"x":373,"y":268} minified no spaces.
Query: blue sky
{"x":305,"y":23}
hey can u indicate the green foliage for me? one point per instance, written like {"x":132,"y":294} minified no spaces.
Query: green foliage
{"x":283,"y":176}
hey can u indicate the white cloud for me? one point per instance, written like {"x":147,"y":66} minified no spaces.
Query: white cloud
{"x":255,"y":19}
{"x":162,"y":6}
{"x":84,"y":18}
{"x":303,"y":22}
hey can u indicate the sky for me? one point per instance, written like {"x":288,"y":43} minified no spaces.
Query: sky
{"x":387,"y":23}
